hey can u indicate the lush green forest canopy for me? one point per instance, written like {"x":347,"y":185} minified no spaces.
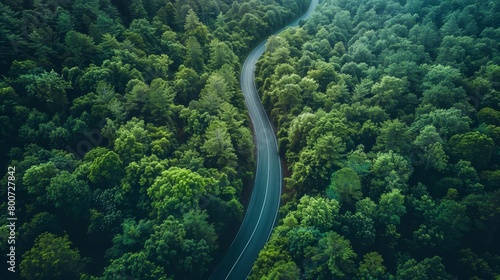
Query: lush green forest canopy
{"x":128,"y":131}
{"x":132,"y":145}
{"x":388,"y":115}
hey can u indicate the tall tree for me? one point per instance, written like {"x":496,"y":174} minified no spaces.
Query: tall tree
{"x":345,"y":187}
{"x":177,"y":191}
{"x":81,"y":49}
{"x":333,"y":257}
{"x":194,"y":55}
{"x":221,"y":54}
{"x":52,"y":257}
{"x":371,"y":267}
{"x":135,"y":266}
{"x":472,"y":146}
{"x":218,"y":145}
{"x":391,"y":207}
{"x":69,"y":194}
{"x":317,"y":212}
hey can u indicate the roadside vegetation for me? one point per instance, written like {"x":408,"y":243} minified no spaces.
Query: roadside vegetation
{"x":388,"y":115}
{"x":128,"y":131}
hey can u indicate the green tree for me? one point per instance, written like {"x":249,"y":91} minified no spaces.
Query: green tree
{"x":301,"y":240}
{"x":475,"y":265}
{"x":106,"y":215}
{"x":42,"y":222}
{"x":218,"y":146}
{"x":333,"y":257}
{"x":436,"y":157}
{"x":108,"y":45}
{"x":131,"y":239}
{"x":444,"y":227}
{"x":388,"y":92}
{"x":459,"y":52}
{"x":271,"y":258}
{"x":489,"y":116}
{"x":298,"y":131}
{"x":197,"y":227}
{"x":318,"y":212}
{"x":138,"y":177}
{"x":218,"y":86}
{"x":194,"y":55}
{"x":447,"y":122}
{"x":371,"y":267}
{"x":358,"y":161}
{"x":158,"y":102}
{"x":429,"y":268}
{"x":468,"y":175}
{"x":42,"y":42}
{"x":192,"y":21}
{"x":309,"y":172}
{"x":394,"y":135}
{"x":69,"y":194}
{"x":282,"y":270}
{"x":137,"y":10}
{"x":169,"y":245}
{"x":221,"y":54}
{"x":345,"y":186}
{"x":52,"y":258}
{"x":490,"y":179}
{"x":158,"y":66}
{"x":286,"y":96}
{"x":425,"y":34}
{"x":360,"y":227}
{"x":104,"y":25}
{"x":135,"y":265}
{"x":10,"y":37}
{"x":443,"y":97}
{"x":80,"y":48}
{"x":329,"y":149}
{"x":391,"y":207}
{"x":254,"y":25}
{"x":49,"y":88}
{"x":142,"y":32}
{"x":446,"y":76}
{"x":484,"y":213}
{"x":37,"y":178}
{"x":185,"y":85}
{"x":431,"y":150}
{"x":390,"y":171}
{"x":324,"y":73}
{"x":428,"y":135}
{"x":132,"y":141}
{"x":106,"y":170}
{"x":177,"y":191}
{"x":472,"y":146}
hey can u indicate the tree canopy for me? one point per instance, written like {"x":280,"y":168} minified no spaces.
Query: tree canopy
{"x":128,"y":131}
{"x":389,"y":111}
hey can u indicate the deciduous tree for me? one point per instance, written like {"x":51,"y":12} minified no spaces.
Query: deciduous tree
{"x":52,"y":257}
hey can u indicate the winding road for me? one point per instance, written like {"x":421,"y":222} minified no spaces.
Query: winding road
{"x":262,"y":210}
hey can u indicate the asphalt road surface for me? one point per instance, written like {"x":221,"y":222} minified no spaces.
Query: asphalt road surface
{"x":262,"y":210}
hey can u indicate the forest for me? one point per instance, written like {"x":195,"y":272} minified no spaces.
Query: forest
{"x":128,"y":133}
{"x":134,"y":154}
{"x":388,"y":116}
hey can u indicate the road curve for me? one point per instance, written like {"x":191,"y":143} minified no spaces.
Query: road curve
{"x":262,"y":210}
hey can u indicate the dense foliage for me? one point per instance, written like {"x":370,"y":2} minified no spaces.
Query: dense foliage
{"x":388,"y":116}
{"x":128,"y":131}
